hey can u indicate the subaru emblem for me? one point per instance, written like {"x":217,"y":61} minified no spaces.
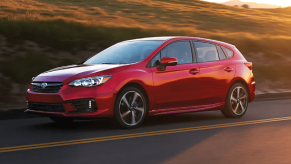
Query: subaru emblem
{"x":43,"y":85}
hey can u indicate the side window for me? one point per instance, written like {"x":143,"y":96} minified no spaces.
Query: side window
{"x":180,"y":50}
{"x":206,"y":52}
{"x":221,"y":53}
{"x":228,"y":52}
{"x":155,"y":60}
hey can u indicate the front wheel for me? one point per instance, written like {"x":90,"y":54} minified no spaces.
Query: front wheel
{"x":130,"y":108}
{"x":236,"y":102}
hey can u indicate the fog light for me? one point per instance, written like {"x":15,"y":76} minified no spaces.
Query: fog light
{"x":84,"y":106}
{"x":90,"y":104}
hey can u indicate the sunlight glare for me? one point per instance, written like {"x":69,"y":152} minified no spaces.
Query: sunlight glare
{"x":283,"y":3}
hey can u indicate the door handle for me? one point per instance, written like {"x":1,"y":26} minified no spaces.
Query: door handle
{"x":194,"y":71}
{"x":228,"y":69}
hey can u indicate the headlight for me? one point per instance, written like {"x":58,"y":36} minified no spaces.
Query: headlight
{"x":90,"y":81}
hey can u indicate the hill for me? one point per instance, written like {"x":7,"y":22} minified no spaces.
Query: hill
{"x":251,"y":4}
{"x":286,"y":10}
{"x":36,"y":35}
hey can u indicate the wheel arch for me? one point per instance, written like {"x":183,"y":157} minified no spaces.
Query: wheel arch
{"x":138,"y":86}
{"x":241,"y":81}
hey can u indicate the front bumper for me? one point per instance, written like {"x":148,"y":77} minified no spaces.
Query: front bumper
{"x":65,"y":102}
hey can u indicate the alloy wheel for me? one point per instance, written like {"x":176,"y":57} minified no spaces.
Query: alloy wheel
{"x":239,"y":100}
{"x":131,"y":108}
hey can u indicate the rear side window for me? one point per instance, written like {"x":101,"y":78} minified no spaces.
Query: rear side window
{"x":228,"y":52}
{"x":180,"y":50}
{"x":206,"y":52}
{"x":221,"y":53}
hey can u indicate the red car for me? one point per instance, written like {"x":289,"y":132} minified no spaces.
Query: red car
{"x":143,"y":77}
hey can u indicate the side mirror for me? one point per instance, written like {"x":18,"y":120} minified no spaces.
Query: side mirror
{"x":169,"y":61}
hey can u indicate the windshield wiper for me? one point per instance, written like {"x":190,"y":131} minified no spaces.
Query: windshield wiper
{"x":112,"y":63}
{"x":81,"y":63}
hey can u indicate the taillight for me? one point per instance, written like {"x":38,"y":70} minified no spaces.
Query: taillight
{"x":249,"y":65}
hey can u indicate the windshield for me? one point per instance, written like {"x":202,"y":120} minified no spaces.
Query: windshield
{"x":125,"y":52}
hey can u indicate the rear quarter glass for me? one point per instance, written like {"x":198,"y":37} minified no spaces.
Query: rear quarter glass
{"x":228,"y":52}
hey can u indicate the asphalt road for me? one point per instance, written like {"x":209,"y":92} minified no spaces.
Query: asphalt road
{"x":263,"y":135}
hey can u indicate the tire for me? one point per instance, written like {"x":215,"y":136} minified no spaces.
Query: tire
{"x":61,"y":120}
{"x":130,"y":108}
{"x":236,"y":102}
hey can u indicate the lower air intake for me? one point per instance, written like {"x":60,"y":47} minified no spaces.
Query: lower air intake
{"x":47,"y":107}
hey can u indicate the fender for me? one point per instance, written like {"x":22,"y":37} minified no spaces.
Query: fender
{"x":246,"y":77}
{"x":142,"y":77}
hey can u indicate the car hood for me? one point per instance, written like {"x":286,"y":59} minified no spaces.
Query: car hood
{"x":72,"y":72}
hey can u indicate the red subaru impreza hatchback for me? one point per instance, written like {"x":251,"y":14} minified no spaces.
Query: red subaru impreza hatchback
{"x":149,"y":76}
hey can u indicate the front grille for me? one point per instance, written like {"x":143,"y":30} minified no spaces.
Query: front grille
{"x":49,"y":87}
{"x":84,"y":106}
{"x":48,"y":107}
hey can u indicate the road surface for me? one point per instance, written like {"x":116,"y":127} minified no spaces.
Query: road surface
{"x":263,"y":135}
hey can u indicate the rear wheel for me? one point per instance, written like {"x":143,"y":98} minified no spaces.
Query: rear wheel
{"x":236,"y":102}
{"x":130,"y":108}
{"x":61,"y":120}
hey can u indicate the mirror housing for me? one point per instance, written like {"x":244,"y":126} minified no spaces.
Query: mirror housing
{"x":169,"y":61}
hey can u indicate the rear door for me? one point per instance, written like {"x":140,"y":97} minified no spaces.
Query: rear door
{"x":177,"y":86}
{"x":216,"y":72}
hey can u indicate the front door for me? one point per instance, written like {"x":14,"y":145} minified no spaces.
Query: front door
{"x":177,"y":86}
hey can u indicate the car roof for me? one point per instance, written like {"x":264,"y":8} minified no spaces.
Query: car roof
{"x":169,"y":38}
{"x":161,"y":38}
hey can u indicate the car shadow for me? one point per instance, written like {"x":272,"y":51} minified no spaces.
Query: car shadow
{"x":184,"y":118}
{"x":153,"y":122}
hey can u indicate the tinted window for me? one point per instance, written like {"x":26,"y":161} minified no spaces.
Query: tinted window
{"x":125,"y":52}
{"x":228,"y":52}
{"x":206,"y":52}
{"x":221,"y":53}
{"x":180,"y":50}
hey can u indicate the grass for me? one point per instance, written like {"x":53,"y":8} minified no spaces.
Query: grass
{"x":286,"y":10}
{"x":5,"y":87}
{"x":22,"y":69}
{"x":63,"y":35}
{"x":192,"y":16}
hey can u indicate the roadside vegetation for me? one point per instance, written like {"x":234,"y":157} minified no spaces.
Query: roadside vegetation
{"x":69,"y":31}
